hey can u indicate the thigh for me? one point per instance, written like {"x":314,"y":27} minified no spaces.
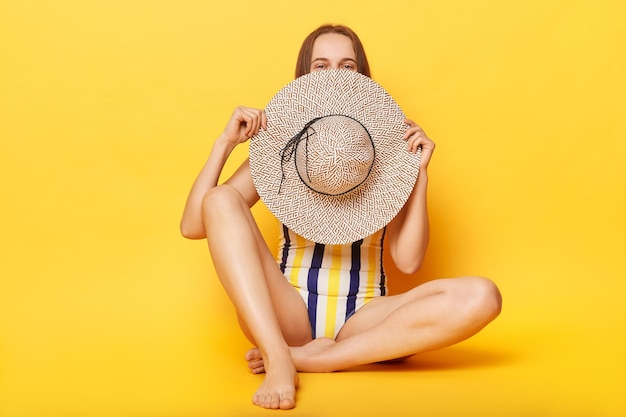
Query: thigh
{"x":289,"y":307}
{"x":378,"y":309}
{"x":471,"y":301}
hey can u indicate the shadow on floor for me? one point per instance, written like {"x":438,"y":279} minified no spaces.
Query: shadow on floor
{"x":452,"y":358}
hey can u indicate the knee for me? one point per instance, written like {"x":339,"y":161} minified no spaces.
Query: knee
{"x":219,"y":201}
{"x":214,"y":206}
{"x":483,"y":301}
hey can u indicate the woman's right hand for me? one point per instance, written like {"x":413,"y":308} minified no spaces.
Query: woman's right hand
{"x":244,"y":123}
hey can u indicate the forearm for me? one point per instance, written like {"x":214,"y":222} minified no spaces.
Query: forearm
{"x":191,"y":225}
{"x":410,"y":231}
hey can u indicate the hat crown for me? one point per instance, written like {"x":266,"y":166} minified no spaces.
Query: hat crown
{"x":335,"y":155}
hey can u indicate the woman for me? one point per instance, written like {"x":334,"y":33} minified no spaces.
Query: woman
{"x":272,"y":314}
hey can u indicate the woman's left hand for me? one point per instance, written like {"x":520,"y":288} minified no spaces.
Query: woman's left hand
{"x":415,"y":137}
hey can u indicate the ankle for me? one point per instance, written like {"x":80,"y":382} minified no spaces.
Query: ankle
{"x":276,"y":357}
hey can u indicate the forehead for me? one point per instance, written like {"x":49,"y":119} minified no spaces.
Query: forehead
{"x":332,"y":45}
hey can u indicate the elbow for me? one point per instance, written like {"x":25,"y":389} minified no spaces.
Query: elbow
{"x":409,"y":267}
{"x":408,"y":262}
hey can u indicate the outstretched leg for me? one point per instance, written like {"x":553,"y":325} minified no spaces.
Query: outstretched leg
{"x":244,"y":265}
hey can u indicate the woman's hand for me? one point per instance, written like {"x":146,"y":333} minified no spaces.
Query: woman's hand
{"x":244,"y":123}
{"x":415,"y":137}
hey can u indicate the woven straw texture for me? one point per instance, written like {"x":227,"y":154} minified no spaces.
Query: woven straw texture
{"x":337,"y":157}
{"x":347,"y":217}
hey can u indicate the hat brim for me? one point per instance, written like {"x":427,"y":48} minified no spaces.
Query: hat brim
{"x":361,"y":212}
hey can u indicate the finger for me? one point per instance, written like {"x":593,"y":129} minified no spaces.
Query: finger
{"x":249,"y":122}
{"x":252,"y":122}
{"x":414,"y":142}
{"x":258,"y":121}
{"x":241,"y":118}
{"x":412,"y":130}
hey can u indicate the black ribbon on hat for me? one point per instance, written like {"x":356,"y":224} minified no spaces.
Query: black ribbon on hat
{"x":289,"y":150}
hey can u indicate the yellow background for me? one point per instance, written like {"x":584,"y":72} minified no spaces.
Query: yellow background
{"x":108,"y":110}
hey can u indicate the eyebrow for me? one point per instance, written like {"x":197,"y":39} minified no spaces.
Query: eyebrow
{"x":326,"y":60}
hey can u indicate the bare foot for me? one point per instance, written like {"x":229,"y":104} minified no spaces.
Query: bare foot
{"x":278,"y":390}
{"x":306,"y":358}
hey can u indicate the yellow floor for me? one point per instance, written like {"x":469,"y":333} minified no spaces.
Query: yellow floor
{"x":132,"y":332}
{"x":108,"y":110}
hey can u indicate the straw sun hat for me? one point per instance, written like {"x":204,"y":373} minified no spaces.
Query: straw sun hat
{"x":332,"y":165}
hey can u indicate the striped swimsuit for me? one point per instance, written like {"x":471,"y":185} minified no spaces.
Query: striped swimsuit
{"x":334,"y":281}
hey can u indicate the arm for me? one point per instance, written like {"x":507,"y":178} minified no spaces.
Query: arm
{"x":408,"y":232}
{"x":243,"y":124}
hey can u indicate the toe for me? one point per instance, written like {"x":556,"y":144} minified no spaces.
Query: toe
{"x":253,"y":354}
{"x":274,"y":402}
{"x":287,"y":402}
{"x":259,"y":370}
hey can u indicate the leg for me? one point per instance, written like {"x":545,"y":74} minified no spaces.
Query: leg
{"x":431,"y":316}
{"x":263,"y":299}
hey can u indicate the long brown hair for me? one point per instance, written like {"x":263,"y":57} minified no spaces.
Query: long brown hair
{"x":303,"y":65}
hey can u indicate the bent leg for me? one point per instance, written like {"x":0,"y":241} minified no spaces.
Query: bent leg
{"x":431,"y":316}
{"x":242,"y":265}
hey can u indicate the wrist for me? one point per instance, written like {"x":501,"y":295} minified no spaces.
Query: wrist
{"x":422,"y":175}
{"x":224,"y":143}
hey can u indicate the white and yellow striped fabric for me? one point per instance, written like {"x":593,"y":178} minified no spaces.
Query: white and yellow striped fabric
{"x":335,"y":281}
